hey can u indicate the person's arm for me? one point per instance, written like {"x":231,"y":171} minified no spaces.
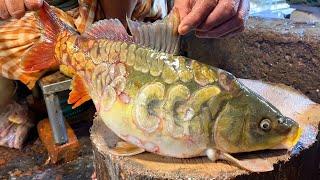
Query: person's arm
{"x":17,"y":8}
{"x":212,"y":18}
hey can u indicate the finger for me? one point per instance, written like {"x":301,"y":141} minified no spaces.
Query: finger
{"x":15,"y":8}
{"x":198,"y":14}
{"x":183,"y":8}
{"x":33,"y":4}
{"x":225,"y":10}
{"x":245,"y":11}
{"x":234,"y":33}
{"x":231,"y":25}
{"x":4,"y":14}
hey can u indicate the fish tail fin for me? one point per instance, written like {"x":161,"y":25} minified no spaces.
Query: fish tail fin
{"x":27,"y":45}
{"x":35,"y":59}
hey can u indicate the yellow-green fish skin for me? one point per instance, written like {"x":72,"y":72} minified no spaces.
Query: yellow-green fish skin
{"x":175,"y":106}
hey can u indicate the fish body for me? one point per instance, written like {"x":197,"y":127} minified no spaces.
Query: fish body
{"x":166,"y":104}
{"x":157,"y":100}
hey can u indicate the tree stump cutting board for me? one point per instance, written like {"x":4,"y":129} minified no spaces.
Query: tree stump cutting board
{"x":301,"y":163}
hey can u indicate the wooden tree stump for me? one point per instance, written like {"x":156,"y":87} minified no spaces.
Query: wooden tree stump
{"x":301,"y":163}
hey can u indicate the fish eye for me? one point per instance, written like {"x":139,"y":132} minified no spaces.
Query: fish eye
{"x":265,"y":124}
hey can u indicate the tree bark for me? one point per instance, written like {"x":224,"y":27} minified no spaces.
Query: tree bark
{"x":301,"y":163}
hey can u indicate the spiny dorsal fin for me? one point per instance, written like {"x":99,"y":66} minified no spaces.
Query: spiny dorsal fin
{"x":162,"y":35}
{"x":108,"y":29}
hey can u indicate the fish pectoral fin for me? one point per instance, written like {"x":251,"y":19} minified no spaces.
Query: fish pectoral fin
{"x":79,"y":93}
{"x":253,"y":165}
{"x":125,"y":149}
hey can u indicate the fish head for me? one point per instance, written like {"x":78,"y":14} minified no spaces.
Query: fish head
{"x":249,"y":123}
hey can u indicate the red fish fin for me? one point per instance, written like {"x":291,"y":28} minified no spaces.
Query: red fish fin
{"x":52,"y":23}
{"x":17,"y":36}
{"x":30,"y":79}
{"x":41,"y":56}
{"x":108,"y":29}
{"x":27,"y":45}
{"x":79,"y":93}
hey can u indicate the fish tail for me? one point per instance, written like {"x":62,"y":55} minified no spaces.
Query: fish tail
{"x":27,"y":45}
{"x":42,"y":55}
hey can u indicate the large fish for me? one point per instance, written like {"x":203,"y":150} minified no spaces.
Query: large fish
{"x":156,"y":100}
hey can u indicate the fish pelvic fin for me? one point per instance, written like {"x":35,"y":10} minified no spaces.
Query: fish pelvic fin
{"x":41,"y":56}
{"x":161,"y":35}
{"x":125,"y":149}
{"x":79,"y":93}
{"x":252,"y":165}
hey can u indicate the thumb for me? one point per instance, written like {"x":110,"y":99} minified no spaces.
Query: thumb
{"x":184,"y":9}
{"x":33,"y":4}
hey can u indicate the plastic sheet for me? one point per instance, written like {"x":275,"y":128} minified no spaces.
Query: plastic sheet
{"x":278,"y":9}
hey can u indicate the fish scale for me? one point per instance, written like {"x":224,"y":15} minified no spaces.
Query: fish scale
{"x":141,"y":59}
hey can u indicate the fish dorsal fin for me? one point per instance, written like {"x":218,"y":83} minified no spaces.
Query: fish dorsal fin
{"x":111,"y":29}
{"x":161,"y":35}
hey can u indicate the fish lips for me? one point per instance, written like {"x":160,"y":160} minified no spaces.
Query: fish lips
{"x":291,"y":140}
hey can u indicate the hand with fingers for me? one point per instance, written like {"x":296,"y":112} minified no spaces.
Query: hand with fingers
{"x":17,"y":8}
{"x":212,"y":18}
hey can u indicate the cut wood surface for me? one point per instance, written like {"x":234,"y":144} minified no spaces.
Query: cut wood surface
{"x":301,"y":163}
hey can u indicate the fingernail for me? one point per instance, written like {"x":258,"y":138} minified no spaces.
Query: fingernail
{"x":201,"y":34}
{"x":33,"y":5}
{"x":39,"y":3}
{"x":18,"y":14}
{"x":204,"y":35}
{"x":4,"y":15}
{"x":201,"y":30}
{"x":184,"y":29}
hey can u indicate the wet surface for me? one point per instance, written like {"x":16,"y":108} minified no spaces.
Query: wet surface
{"x":308,"y":137}
{"x":30,"y":162}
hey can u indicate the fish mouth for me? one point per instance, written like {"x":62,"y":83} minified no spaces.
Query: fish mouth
{"x":291,"y":140}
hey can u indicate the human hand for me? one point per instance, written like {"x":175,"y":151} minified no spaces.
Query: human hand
{"x":17,"y":8}
{"x":212,"y":18}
